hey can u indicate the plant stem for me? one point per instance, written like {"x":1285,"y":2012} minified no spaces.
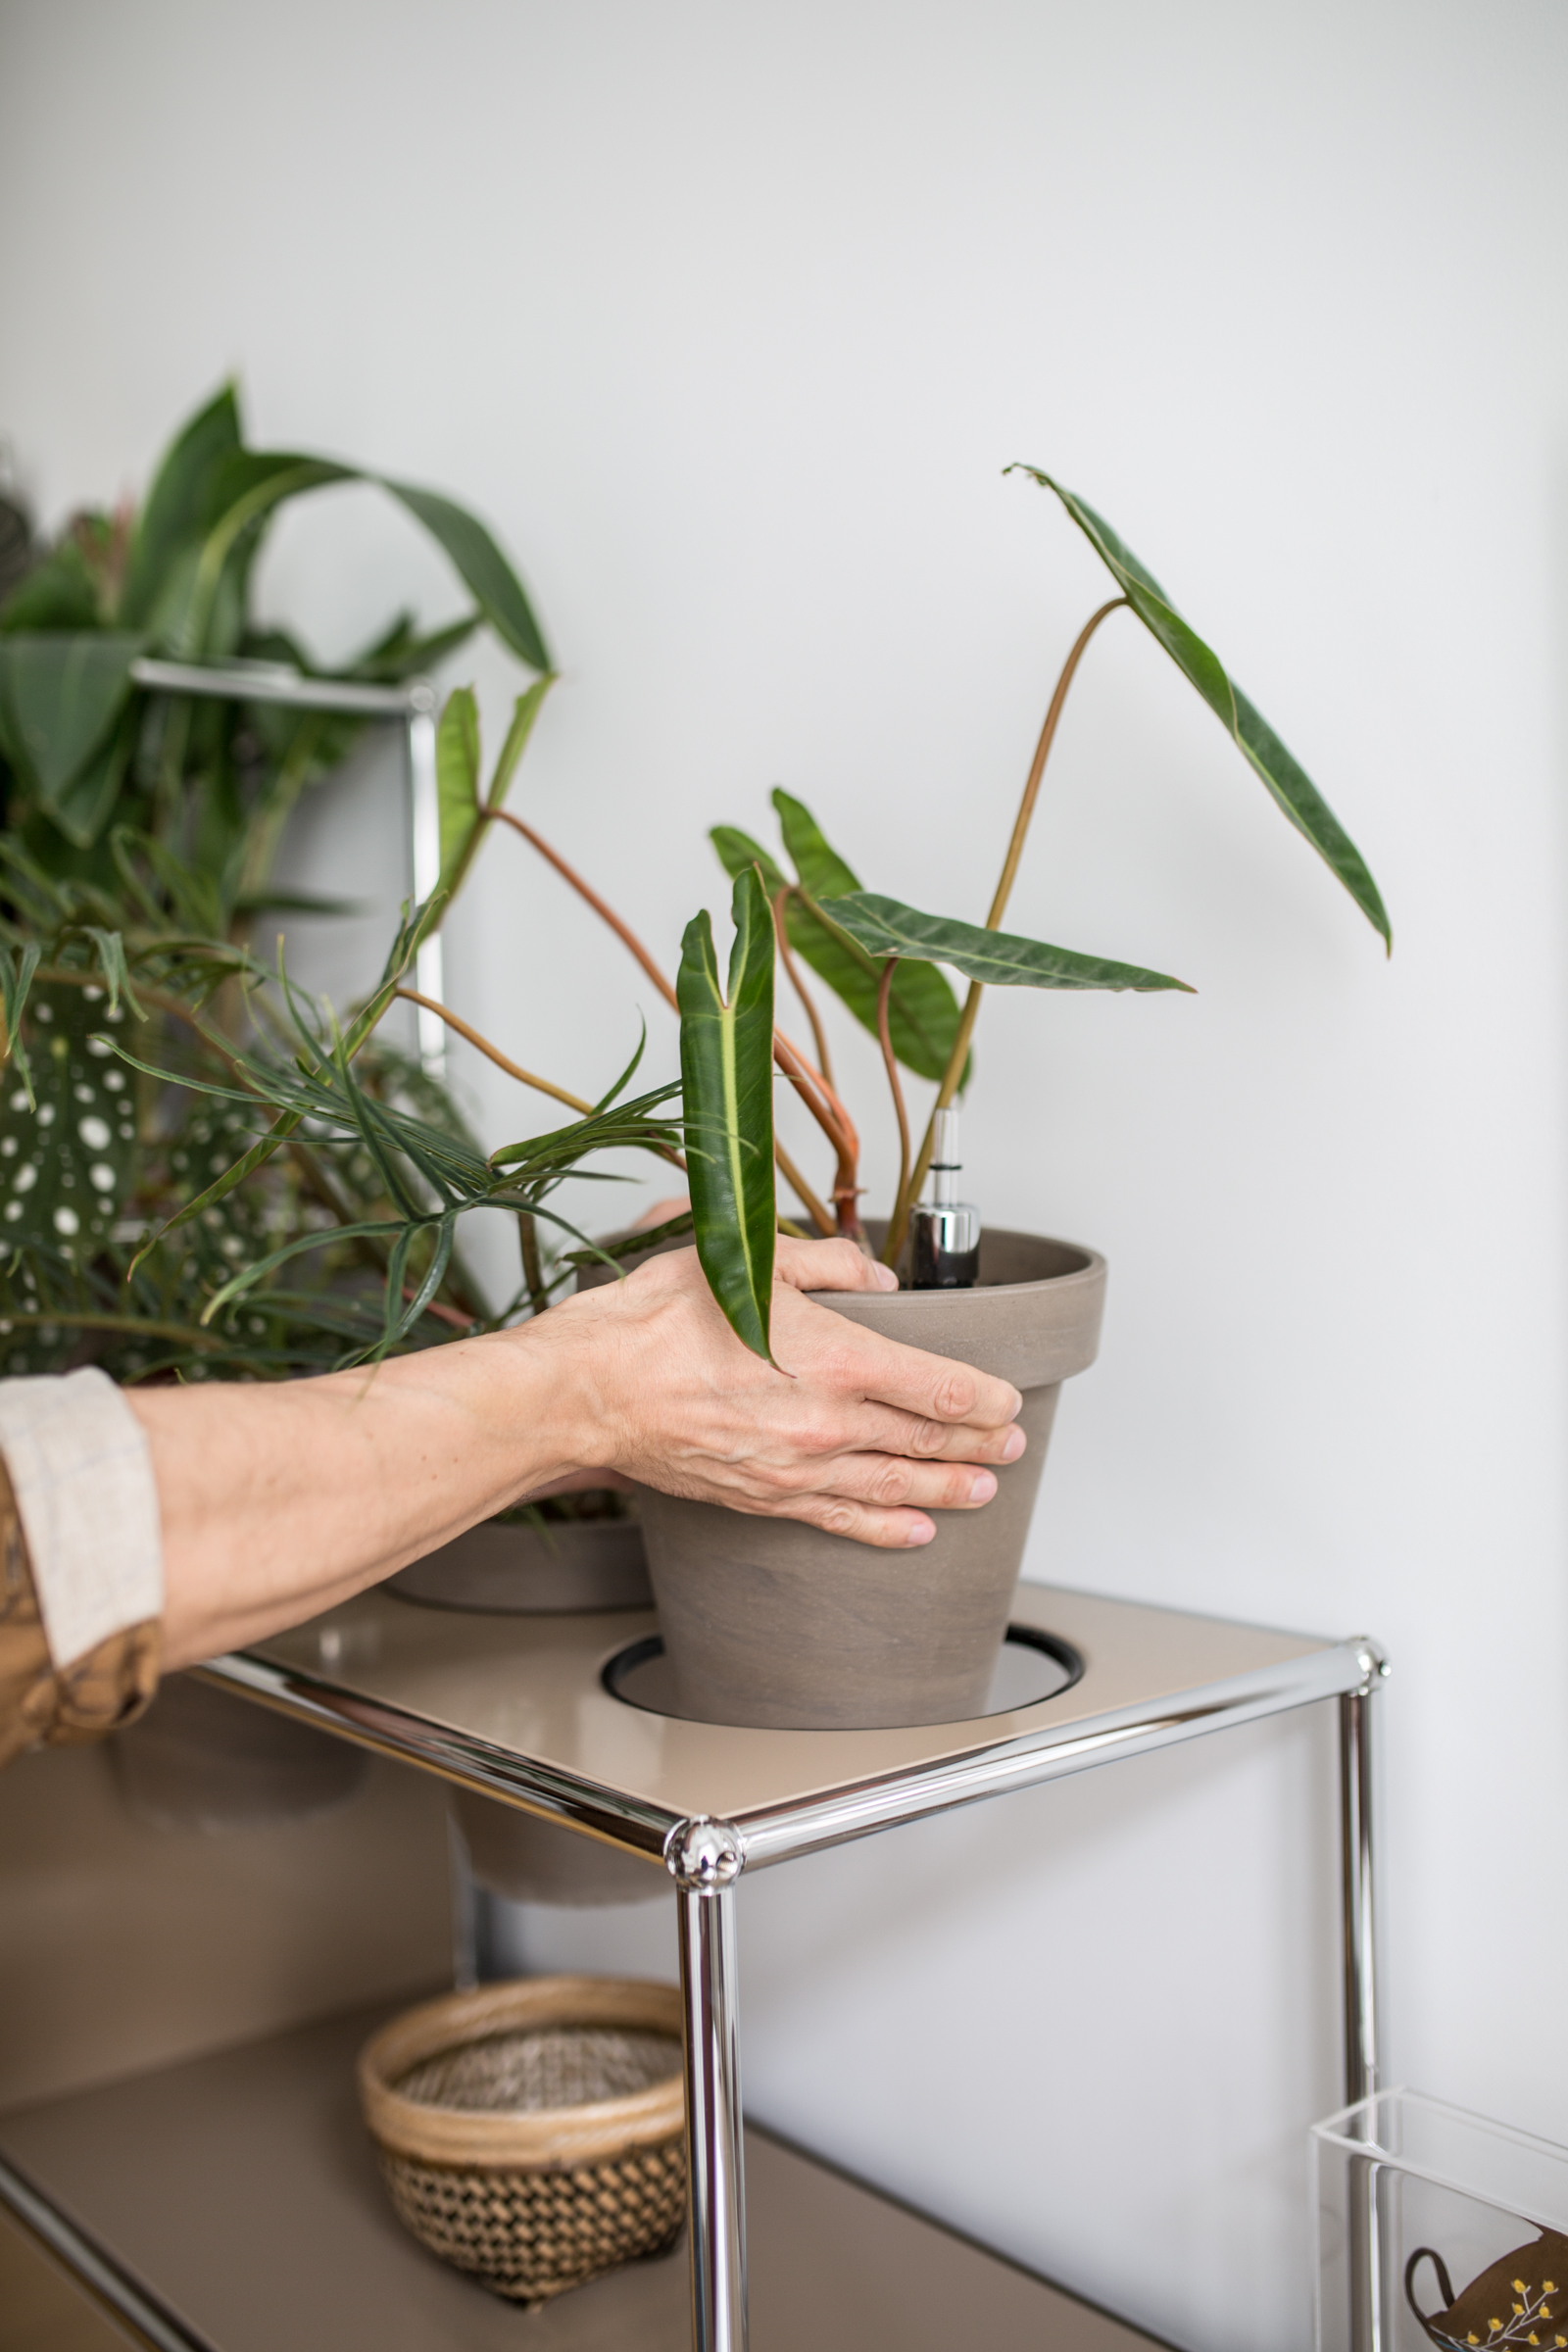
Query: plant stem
{"x":533,"y":1273}
{"x":624,"y":931}
{"x":836,"y":1124}
{"x":514,"y":1069}
{"x":136,"y":1325}
{"x":818,"y":1034}
{"x":813,"y":1207}
{"x":890,"y":1059}
{"x":908,"y":1192}
{"x":820,"y":1216}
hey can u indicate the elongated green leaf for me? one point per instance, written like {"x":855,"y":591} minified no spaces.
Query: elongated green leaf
{"x":737,"y":851}
{"x":474,"y":556}
{"x":173,"y":512}
{"x":249,"y":485}
{"x":462,"y":825}
{"x":922,"y":1010}
{"x":999,"y":958}
{"x":525,"y":712}
{"x":64,"y":699}
{"x":457,"y":776}
{"x":1294,"y":790}
{"x":15,"y":979}
{"x":726,"y":1068}
{"x":85,"y":806}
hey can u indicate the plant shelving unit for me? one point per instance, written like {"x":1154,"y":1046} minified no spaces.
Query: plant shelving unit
{"x":528,"y":1711}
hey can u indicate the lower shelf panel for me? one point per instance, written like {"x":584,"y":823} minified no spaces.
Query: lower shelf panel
{"x":241,"y":2188}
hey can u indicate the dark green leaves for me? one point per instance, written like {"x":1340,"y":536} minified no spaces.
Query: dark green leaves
{"x":922,"y":1013}
{"x":1288,"y":784}
{"x":457,"y":776}
{"x":66,"y":1164}
{"x":61,"y":703}
{"x":176,"y":505}
{"x":997,"y":959}
{"x":726,"y":1067}
{"x":478,"y":560}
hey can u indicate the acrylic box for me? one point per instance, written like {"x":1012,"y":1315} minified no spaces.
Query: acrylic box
{"x":1435,"y":2227}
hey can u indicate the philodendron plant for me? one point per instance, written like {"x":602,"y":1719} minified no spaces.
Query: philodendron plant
{"x":887,"y":961}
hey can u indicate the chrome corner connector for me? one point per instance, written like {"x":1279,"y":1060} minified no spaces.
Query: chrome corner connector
{"x":1373,"y":1660}
{"x":702,"y":1855}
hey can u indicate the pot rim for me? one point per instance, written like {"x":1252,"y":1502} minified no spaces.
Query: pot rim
{"x":1092,"y":1270}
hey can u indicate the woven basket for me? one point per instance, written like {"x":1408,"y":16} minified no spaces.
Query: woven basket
{"x":533,"y":2133}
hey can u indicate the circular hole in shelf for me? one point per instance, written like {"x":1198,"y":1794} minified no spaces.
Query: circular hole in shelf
{"x":1031,"y":1666}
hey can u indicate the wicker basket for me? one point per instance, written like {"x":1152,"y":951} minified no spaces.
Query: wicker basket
{"x":533,"y":2133}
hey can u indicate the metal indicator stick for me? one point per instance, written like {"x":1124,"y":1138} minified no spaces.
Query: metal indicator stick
{"x":945,"y":1232}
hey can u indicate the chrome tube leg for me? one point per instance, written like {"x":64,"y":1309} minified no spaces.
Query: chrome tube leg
{"x":1360,"y":1924}
{"x":1359,"y":1897}
{"x":717,"y":2179}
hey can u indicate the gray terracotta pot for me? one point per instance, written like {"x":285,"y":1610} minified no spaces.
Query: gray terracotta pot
{"x":520,"y":1572}
{"x":770,"y":1623}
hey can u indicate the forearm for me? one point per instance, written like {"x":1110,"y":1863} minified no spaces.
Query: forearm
{"x":279,"y":1501}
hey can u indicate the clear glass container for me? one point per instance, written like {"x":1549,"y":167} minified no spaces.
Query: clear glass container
{"x":1399,"y":2179}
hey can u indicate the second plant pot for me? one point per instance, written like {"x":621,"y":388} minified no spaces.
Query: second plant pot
{"x":771,"y":1623}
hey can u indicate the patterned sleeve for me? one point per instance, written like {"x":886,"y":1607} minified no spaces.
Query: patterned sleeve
{"x":110,"y":1666}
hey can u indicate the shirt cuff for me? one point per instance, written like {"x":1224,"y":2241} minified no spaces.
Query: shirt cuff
{"x":82,"y":1477}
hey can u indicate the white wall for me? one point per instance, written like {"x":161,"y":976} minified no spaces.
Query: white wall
{"x":729,"y":317}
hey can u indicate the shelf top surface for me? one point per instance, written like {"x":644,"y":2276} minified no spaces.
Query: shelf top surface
{"x":531,"y":1689}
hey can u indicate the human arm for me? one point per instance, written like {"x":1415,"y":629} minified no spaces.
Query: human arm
{"x":278,"y":1500}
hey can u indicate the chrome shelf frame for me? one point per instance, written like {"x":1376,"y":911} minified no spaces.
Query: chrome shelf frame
{"x":706,"y":1855}
{"x":517,"y":1709}
{"x":412,"y":703}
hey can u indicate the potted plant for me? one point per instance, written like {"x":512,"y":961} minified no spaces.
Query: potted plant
{"x":769,"y":1622}
{"x":143,"y":1039}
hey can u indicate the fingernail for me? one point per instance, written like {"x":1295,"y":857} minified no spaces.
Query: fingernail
{"x":921,"y":1532}
{"x":983,"y":1487}
{"x":1016,"y":1441}
{"x":1017,"y":1406}
{"x":886,"y":1279}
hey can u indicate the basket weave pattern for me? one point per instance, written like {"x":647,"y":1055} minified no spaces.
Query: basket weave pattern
{"x":532,"y":2134}
{"x":529,"y":2235}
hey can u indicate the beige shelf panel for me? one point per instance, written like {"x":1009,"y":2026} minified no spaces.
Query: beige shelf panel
{"x":242,"y":2190}
{"x":531,"y":1687}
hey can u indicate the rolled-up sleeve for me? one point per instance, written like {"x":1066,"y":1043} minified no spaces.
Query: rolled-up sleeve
{"x":81,"y":1583}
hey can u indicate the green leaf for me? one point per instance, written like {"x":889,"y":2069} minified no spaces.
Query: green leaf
{"x":480,"y":565}
{"x":251,"y":483}
{"x":999,"y":958}
{"x":67,"y":1142}
{"x":1294,"y":790}
{"x":726,"y":1068}
{"x":59,"y":593}
{"x":15,"y":979}
{"x":457,"y":776}
{"x":737,"y":851}
{"x":175,"y":509}
{"x":524,"y":712}
{"x":64,"y":699}
{"x":922,"y":1010}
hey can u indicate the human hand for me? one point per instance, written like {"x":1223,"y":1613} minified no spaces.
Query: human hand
{"x":852,"y":1432}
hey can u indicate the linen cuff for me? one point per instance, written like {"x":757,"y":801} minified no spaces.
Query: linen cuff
{"x":82,"y":1478}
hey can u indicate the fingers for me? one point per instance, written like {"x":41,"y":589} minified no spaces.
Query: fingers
{"x":837,"y":1266}
{"x":880,"y":1430}
{"x":853,"y":1362}
{"x":890,"y":1482}
{"x":863,"y":1523}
